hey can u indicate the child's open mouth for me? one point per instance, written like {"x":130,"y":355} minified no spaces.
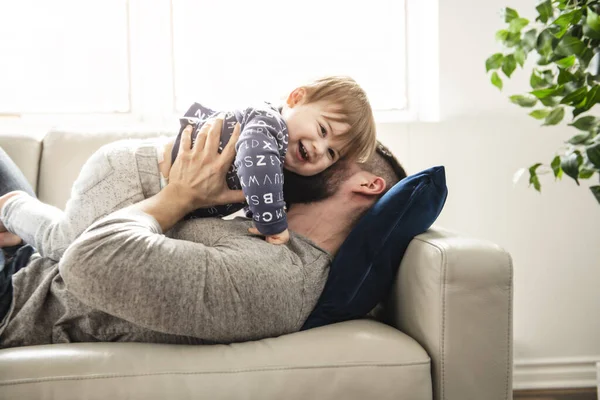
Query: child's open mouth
{"x":302,"y":151}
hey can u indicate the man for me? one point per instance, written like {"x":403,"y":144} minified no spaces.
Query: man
{"x":204,"y":280}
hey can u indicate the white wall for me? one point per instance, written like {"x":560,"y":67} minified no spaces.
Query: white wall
{"x":554,"y":238}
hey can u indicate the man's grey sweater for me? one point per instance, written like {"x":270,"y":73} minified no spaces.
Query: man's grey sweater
{"x":205,"y":280}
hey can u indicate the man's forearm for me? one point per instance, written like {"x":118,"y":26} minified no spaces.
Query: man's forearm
{"x":167,"y":207}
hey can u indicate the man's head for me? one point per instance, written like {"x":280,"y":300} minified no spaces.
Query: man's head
{"x":328,"y":119}
{"x":326,"y":207}
{"x":382,"y":164}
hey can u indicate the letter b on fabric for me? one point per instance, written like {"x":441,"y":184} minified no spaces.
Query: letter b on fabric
{"x":363,"y":271}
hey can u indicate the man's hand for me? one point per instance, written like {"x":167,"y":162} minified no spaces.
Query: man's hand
{"x":199,"y":171}
{"x":8,"y":239}
{"x":280,"y":238}
{"x":197,"y":178}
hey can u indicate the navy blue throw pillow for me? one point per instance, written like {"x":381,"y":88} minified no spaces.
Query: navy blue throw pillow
{"x":364,"y":269}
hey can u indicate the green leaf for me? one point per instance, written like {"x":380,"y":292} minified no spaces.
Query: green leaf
{"x":575,"y":97}
{"x":555,"y":116}
{"x":544,"y":44}
{"x":548,"y":76}
{"x":543,"y":93}
{"x":496,"y":81}
{"x":570,"y":165}
{"x":566,"y":62}
{"x":545,"y":11}
{"x":537,"y":80}
{"x":560,"y":32}
{"x":556,"y":167}
{"x":585,"y":57}
{"x":564,"y":76}
{"x":494,"y":62}
{"x":509,"y":65}
{"x":540,"y":114}
{"x":596,"y":192}
{"x":529,"y":40}
{"x":585,"y":123}
{"x":585,"y":173}
{"x":510,"y":14}
{"x":593,"y":154}
{"x":568,"y":18}
{"x":533,"y":178}
{"x":591,"y":99}
{"x":501,"y":35}
{"x":593,"y":20}
{"x":517,"y":24}
{"x":579,"y":139}
{"x":550,"y":101}
{"x":512,"y":39}
{"x":569,"y":45}
{"x":523,"y":101}
{"x":520,"y":56}
{"x":589,"y":32}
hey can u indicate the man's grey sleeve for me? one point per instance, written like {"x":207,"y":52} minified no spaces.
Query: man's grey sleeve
{"x":260,"y":169}
{"x":102,"y":186}
{"x":124,"y":265}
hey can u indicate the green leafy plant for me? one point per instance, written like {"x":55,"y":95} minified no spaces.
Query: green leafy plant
{"x":565,"y":40}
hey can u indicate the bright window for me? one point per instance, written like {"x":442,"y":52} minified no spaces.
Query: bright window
{"x":245,"y":50}
{"x":63,"y":56}
{"x":150,"y":59}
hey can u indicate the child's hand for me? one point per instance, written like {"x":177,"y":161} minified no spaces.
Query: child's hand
{"x":280,"y":238}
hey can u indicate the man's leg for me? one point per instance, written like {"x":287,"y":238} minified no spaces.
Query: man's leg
{"x":11,"y":177}
{"x":12,"y":258}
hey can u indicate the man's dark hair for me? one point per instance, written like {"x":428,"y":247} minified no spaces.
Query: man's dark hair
{"x":384,"y":164}
{"x":308,"y":189}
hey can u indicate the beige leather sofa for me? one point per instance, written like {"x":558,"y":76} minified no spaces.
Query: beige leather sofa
{"x":448,"y":331}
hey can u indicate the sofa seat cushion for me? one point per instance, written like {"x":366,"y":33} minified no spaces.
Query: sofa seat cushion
{"x":351,"y":360}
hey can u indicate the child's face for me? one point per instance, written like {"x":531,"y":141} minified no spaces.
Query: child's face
{"x":314,"y":142}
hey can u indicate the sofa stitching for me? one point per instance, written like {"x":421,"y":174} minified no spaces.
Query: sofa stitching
{"x":443,"y":335}
{"x":266,"y":369}
{"x":443,"y":311}
{"x":508,"y":330}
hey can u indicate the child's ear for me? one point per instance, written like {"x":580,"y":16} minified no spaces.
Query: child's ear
{"x":296,"y":97}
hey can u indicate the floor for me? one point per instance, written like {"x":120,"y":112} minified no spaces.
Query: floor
{"x":556,"y":394}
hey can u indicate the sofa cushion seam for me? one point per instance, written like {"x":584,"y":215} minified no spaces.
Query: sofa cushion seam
{"x":508,"y":330}
{"x":251,"y":370}
{"x":443,"y":311}
{"x":443,"y":327}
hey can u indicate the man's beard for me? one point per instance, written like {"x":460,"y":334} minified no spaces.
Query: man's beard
{"x":309,"y":189}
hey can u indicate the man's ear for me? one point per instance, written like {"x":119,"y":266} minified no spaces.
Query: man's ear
{"x":296,"y":97}
{"x":369,"y":184}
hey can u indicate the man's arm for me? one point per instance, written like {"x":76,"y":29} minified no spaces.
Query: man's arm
{"x":125,"y":267}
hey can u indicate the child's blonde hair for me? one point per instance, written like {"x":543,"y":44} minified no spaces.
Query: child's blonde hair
{"x":353,"y":105}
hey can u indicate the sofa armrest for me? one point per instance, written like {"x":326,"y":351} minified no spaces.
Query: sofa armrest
{"x":454,"y":296}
